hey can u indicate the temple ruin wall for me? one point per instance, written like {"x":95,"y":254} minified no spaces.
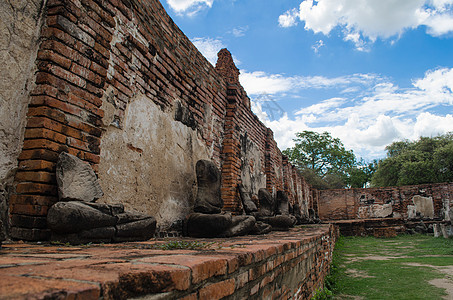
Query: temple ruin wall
{"x":121,"y":87}
{"x":116,"y":83}
{"x":429,"y":201}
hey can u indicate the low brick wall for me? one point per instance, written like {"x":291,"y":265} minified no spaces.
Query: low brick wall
{"x":386,"y":212}
{"x":386,"y":227}
{"x":353,"y":204}
{"x":279,"y":265}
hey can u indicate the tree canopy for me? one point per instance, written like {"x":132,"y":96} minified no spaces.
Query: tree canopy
{"x":427,"y":160}
{"x":326,"y":163}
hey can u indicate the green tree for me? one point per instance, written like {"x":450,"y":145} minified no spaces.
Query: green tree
{"x":360,"y":175}
{"x":320,"y":152}
{"x":324,"y":162}
{"x":396,"y":148}
{"x":443,"y":157}
{"x":427,"y":160}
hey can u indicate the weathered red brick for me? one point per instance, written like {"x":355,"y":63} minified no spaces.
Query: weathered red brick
{"x":54,"y":57}
{"x":193,"y":296}
{"x":43,"y":144}
{"x":103,"y":14}
{"x":38,"y":154}
{"x":42,"y":133}
{"x":36,"y":188}
{"x":218,"y":290}
{"x":44,"y":177}
{"x":27,"y":209}
{"x":43,"y":200}
{"x":37,"y":165}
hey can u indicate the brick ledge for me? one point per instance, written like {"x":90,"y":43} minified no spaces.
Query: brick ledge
{"x":250,"y":267}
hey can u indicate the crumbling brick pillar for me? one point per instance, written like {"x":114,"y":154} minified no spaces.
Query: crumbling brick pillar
{"x":231,"y":150}
{"x":231,"y":155}
{"x":64,"y":112}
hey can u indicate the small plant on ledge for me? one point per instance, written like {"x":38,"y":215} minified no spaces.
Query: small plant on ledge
{"x":184,"y":245}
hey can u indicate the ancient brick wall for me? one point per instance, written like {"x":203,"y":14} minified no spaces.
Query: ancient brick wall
{"x":250,"y":153}
{"x":429,"y":201}
{"x":20,"y":23}
{"x":121,"y":87}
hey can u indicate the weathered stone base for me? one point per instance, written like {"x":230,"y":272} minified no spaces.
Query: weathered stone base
{"x":29,"y":234}
{"x":279,"y":265}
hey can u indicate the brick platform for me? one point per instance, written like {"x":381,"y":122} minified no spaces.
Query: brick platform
{"x":280,"y":265}
{"x":383,"y":227}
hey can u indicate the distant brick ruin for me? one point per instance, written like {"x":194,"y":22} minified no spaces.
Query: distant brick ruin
{"x":389,"y":211}
{"x":117,"y":84}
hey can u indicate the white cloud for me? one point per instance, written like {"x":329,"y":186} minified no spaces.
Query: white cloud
{"x":441,"y":5}
{"x":428,"y":124}
{"x":208,"y":47}
{"x":318,"y":45}
{"x":240,"y":31}
{"x":356,"y":38}
{"x":289,"y":18}
{"x":258,"y":82}
{"x":440,"y":24}
{"x":261,"y":83}
{"x":438,"y":82}
{"x":189,"y":7}
{"x":352,"y":89}
{"x":322,"y":107}
{"x":364,"y":21}
{"x":367,"y":120}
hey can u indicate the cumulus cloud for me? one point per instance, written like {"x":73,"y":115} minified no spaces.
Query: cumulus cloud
{"x":289,"y":18}
{"x":438,"y":82}
{"x":364,"y":21}
{"x":365,"y":120}
{"x":189,"y":7}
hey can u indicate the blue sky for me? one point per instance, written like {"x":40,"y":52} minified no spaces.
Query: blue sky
{"x":369,"y":72}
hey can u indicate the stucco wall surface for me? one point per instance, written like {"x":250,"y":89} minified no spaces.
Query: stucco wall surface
{"x":149,"y":164}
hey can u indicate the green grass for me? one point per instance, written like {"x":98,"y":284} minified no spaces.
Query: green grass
{"x":358,"y":268}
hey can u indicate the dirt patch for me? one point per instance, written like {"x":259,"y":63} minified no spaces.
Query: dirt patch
{"x":400,"y":243}
{"x":348,"y":297}
{"x":443,"y":283}
{"x":437,"y":255}
{"x":358,"y":273}
{"x":443,"y":269}
{"x":373,"y":257}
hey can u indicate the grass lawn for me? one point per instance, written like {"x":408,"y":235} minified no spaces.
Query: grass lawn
{"x":404,"y":267}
